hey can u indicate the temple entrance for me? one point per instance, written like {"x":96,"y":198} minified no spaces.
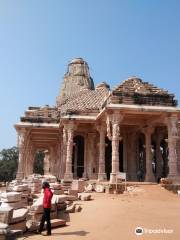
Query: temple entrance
{"x":78,"y":157}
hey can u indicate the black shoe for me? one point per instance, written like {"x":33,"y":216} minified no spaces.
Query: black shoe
{"x":38,"y":232}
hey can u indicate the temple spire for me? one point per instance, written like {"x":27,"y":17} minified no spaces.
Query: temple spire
{"x":77,"y":78}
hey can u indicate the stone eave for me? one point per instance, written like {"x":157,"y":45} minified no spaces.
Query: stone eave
{"x":36,"y":125}
{"x":78,"y":117}
{"x":143,"y":108}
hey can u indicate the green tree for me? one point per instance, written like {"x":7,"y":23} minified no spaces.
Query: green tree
{"x":8,"y":163}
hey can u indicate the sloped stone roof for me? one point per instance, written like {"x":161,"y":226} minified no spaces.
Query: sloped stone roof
{"x":86,"y":100}
{"x":135,"y":91}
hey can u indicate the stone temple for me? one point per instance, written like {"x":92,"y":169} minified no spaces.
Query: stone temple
{"x":94,"y":132}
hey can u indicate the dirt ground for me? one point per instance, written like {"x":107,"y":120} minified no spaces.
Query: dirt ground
{"x":110,"y":216}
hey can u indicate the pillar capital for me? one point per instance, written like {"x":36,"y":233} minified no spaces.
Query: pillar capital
{"x":113,"y":121}
{"x":21,"y":137}
{"x":148,"y":130}
{"x":101,"y":127}
{"x":70,"y":126}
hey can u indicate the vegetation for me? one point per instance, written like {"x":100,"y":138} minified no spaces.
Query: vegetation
{"x":8,"y":164}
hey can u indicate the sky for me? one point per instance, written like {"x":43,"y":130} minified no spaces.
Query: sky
{"x":118,"y":39}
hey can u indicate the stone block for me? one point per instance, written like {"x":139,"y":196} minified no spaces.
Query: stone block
{"x":99,"y":188}
{"x":18,"y":225}
{"x":57,"y":223}
{"x":38,"y":205}
{"x":72,"y":198}
{"x":61,"y":206}
{"x":78,"y":185}
{"x":19,"y":215}
{"x":71,"y":208}
{"x":55,"y":186}
{"x":6,"y":214}
{"x":20,"y":188}
{"x":58,"y":191}
{"x":60,"y":198}
{"x":36,"y":217}
{"x":84,"y":196}
{"x":4,"y":230}
{"x":73,"y":192}
{"x":78,"y":208}
{"x":11,"y":197}
{"x":89,"y":188}
{"x":14,"y":205}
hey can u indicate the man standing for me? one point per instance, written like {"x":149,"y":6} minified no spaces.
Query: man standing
{"x":47,"y":208}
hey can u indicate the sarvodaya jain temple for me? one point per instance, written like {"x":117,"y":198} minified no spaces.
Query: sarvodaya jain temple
{"x":94,"y":132}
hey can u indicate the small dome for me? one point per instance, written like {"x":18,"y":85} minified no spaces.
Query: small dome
{"x":77,"y":60}
{"x":102,"y":85}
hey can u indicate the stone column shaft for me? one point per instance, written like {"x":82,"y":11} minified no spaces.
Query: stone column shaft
{"x":172,"y":141}
{"x":101,"y":173}
{"x":21,"y":145}
{"x":115,"y":151}
{"x":68,"y":173}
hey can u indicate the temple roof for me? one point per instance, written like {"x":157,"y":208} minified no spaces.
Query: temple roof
{"x":86,"y":100}
{"x":135,"y":91}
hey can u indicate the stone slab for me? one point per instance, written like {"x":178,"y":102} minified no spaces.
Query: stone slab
{"x":78,"y":185}
{"x":19,"y":215}
{"x":84,"y":196}
{"x":99,"y":188}
{"x":57,"y":223}
{"x":14,"y":205}
{"x":6,"y":214}
{"x":18,"y":226}
{"x":11,"y":196}
{"x":73,"y":192}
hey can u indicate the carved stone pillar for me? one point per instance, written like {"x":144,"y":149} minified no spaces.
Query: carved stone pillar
{"x":115,"y":120}
{"x":149,"y":172}
{"x":64,"y":152}
{"x":101,"y":172}
{"x":70,"y":130}
{"x":31,"y":156}
{"x":53,"y":159}
{"x":46,"y":163}
{"x":172,"y":141}
{"x":21,"y":145}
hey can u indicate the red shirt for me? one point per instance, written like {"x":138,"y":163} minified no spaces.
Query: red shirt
{"x":47,"y":198}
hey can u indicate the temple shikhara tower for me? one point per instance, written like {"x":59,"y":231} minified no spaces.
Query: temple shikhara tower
{"x":94,"y":132}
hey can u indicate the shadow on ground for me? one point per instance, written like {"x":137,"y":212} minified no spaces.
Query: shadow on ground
{"x":79,"y":233}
